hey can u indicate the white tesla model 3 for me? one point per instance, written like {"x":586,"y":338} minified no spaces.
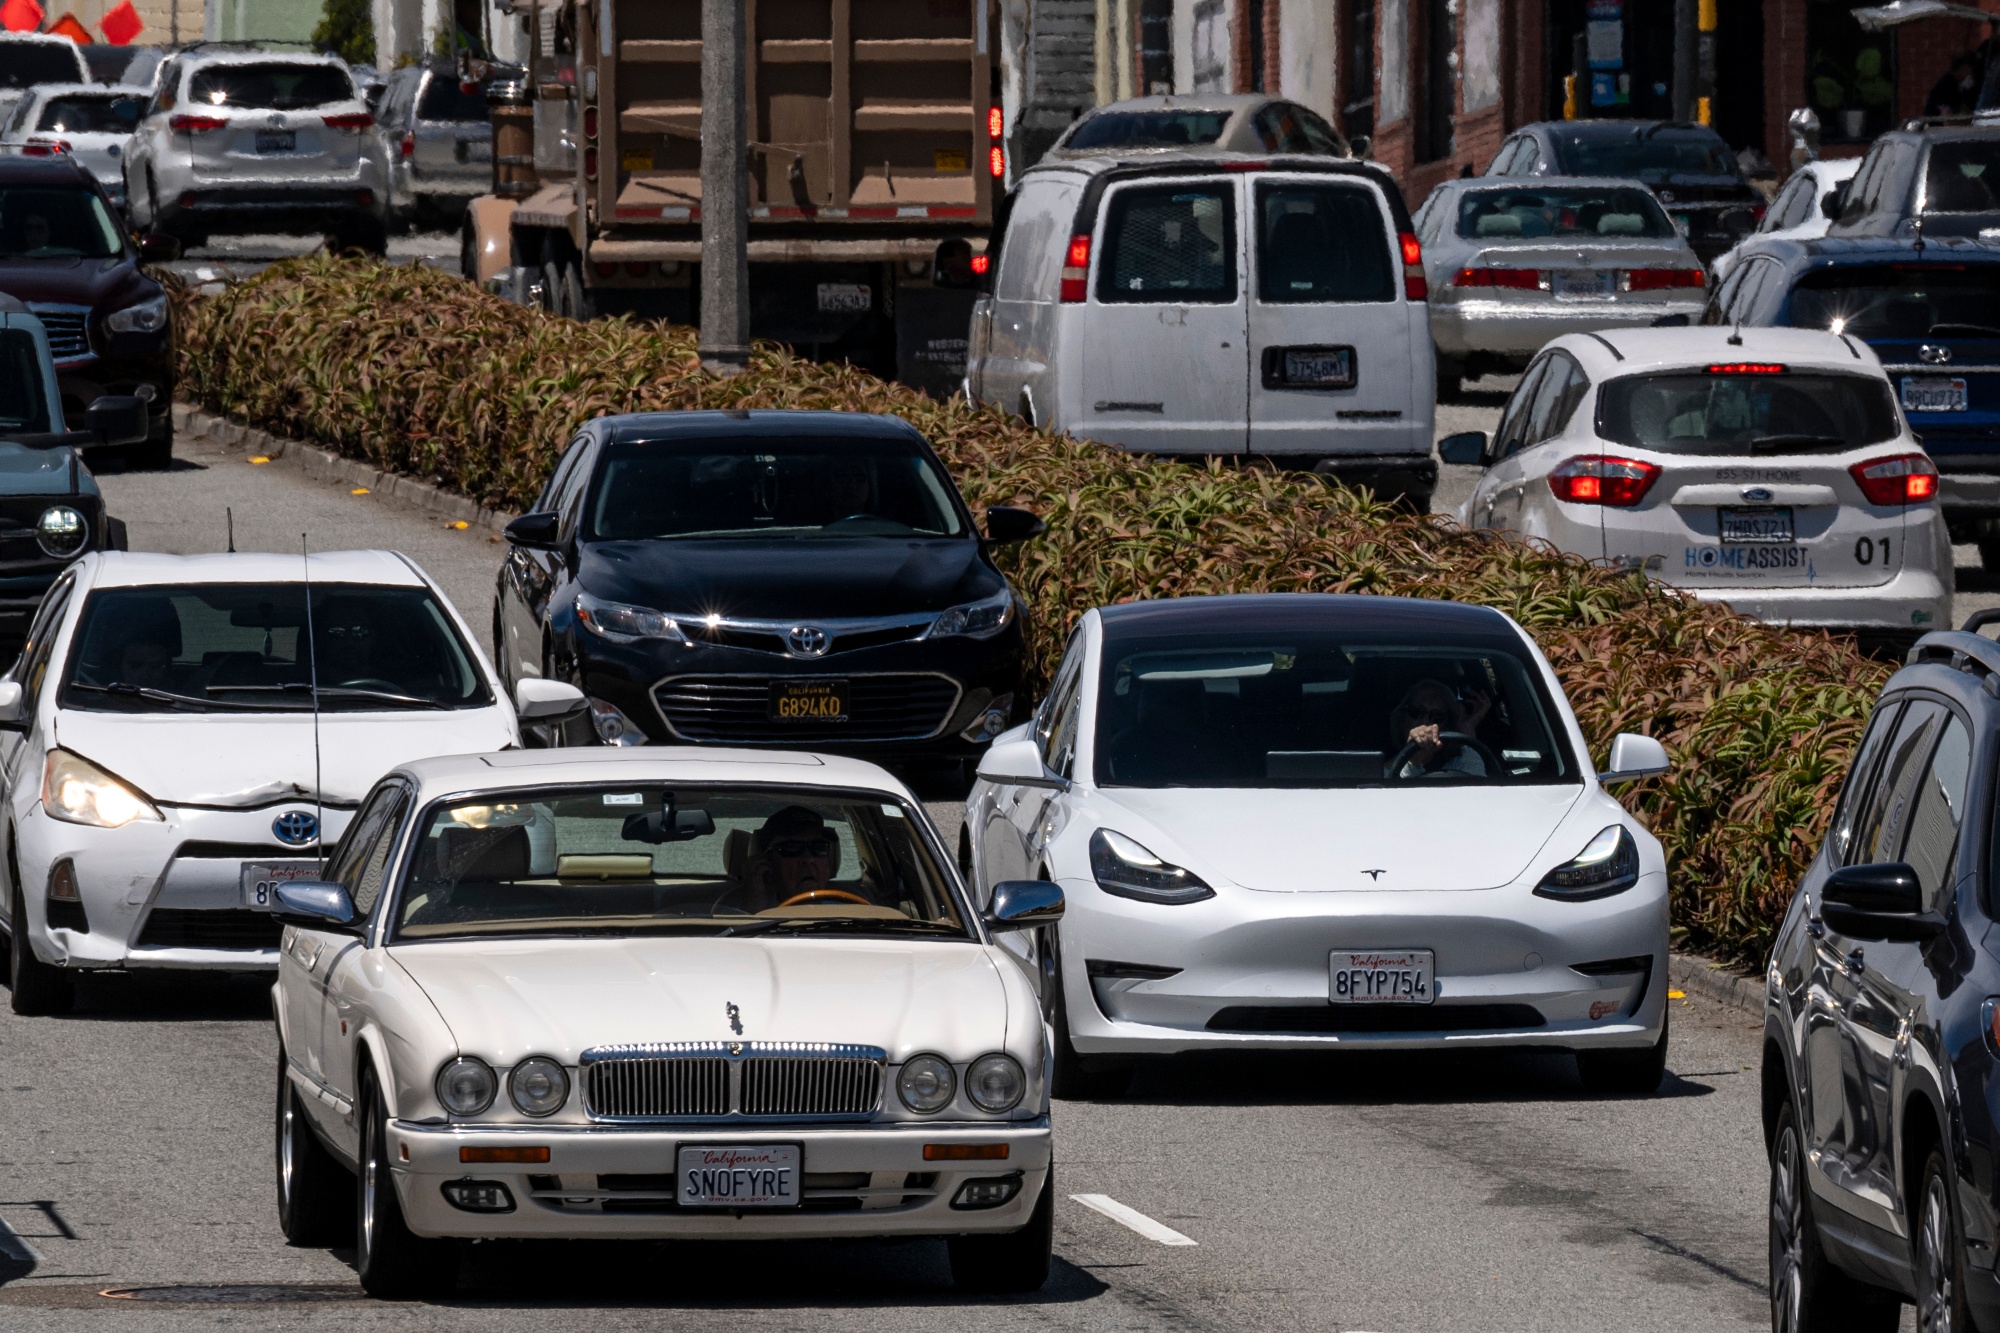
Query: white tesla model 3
{"x":1302,"y":821}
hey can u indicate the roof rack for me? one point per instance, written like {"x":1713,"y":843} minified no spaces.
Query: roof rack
{"x":1963,"y":650}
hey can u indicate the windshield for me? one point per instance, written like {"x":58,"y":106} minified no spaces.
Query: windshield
{"x":763,"y":486}
{"x":1900,"y":300}
{"x":1539,"y":214}
{"x":1149,"y":129}
{"x":1323,"y":710}
{"x":66,"y":222}
{"x":645,"y":858}
{"x":278,"y":86}
{"x":1651,"y":157}
{"x":25,"y":64}
{"x":1961,"y":177}
{"x":1744,"y":414}
{"x":446,"y":99}
{"x":87,"y":114}
{"x":234,"y":647}
{"x":24,"y":404}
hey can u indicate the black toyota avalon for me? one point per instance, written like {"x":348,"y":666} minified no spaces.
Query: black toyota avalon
{"x":806,"y":580}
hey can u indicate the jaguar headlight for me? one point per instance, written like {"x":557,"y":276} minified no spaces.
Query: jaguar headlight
{"x":1608,"y":864}
{"x":538,"y":1086}
{"x":979,"y":620}
{"x":77,"y":791}
{"x":61,"y":531}
{"x":466,"y":1086}
{"x":926,"y":1084}
{"x":1125,"y":869}
{"x":995,"y":1083}
{"x":626,"y":624}
{"x":145,"y":317}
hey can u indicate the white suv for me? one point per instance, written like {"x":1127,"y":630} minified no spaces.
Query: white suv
{"x":258,"y":141}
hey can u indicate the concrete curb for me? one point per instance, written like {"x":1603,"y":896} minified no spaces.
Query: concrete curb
{"x":194,"y":423}
{"x":1720,"y":982}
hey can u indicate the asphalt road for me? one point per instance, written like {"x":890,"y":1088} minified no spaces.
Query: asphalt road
{"x":1339,"y":1192}
{"x":227,"y":257}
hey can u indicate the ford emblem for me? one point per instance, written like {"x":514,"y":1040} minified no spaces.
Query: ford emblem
{"x":296,"y":828}
{"x":808,"y":640}
{"x":1756,"y":495}
{"x":1932,"y":354}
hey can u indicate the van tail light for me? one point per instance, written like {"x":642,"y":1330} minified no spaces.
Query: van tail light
{"x":1076,"y":270}
{"x":590,"y":121}
{"x":996,"y":123}
{"x":1525,"y":279}
{"x":409,"y":144}
{"x":1415,"y":288}
{"x":195,"y":124}
{"x":1898,"y":480}
{"x":590,"y":162}
{"x":1659,"y":279}
{"x":1601,"y":479}
{"x":358,"y":121}
{"x":996,"y":161}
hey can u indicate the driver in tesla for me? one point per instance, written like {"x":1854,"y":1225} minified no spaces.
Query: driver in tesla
{"x":1423,"y":723}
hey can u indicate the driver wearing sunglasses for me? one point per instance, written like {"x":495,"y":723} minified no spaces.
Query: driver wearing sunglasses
{"x":797,"y":855}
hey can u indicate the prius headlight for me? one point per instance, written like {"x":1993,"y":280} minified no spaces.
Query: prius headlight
{"x":979,"y":620}
{"x":466,"y":1086}
{"x":1127,"y":870}
{"x":1608,"y":864}
{"x":626,"y":624}
{"x":79,"y":792}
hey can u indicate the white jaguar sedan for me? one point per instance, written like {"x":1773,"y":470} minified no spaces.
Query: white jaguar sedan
{"x":640,"y":993}
{"x":1312,"y":821}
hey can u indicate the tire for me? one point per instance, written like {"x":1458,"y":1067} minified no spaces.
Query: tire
{"x":39,"y":988}
{"x":1942,"y":1302}
{"x":393,"y":1263}
{"x":1625,"y":1073}
{"x":369,"y":235}
{"x":1808,"y":1294}
{"x":1073,"y":1076}
{"x":1989,"y":552}
{"x":1012,"y":1261}
{"x":156,"y":454}
{"x":1450,"y":380}
{"x":315,"y":1193}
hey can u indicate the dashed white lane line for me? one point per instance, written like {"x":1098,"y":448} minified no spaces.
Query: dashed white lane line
{"x":1133,"y":1218}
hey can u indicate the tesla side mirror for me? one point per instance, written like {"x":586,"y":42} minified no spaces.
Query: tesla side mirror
{"x":313,"y":903}
{"x":1023,"y":904}
{"x":1467,"y":448}
{"x":1018,"y":763}
{"x":156,"y":247}
{"x":11,"y":698}
{"x":1004,"y":524}
{"x":117,"y":419}
{"x":1877,"y":902}
{"x":538,"y":700}
{"x":537,"y":532}
{"x":1634,"y":757}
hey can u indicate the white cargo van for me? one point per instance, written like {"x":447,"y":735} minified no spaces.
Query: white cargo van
{"x":1209,"y":305}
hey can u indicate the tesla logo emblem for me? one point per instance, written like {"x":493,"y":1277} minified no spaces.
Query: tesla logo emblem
{"x":1756,"y":495}
{"x":295,"y":828}
{"x":1375,"y":874}
{"x":735,"y":1018}
{"x":1933,"y":355}
{"x":808,"y":640}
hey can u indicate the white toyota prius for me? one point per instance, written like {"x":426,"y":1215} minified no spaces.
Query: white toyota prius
{"x":1311,"y":821}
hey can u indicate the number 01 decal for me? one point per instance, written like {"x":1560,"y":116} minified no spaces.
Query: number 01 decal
{"x":1868,"y":549}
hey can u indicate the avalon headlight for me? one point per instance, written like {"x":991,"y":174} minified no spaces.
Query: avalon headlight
{"x":77,"y":791}
{"x":61,"y":531}
{"x":145,"y":317}
{"x":626,"y":624}
{"x":539,"y":1086}
{"x":995,"y":1083}
{"x":926,"y":1084}
{"x":466,"y":1086}
{"x":979,"y":620}
{"x":1608,"y":864}
{"x":1125,"y":869}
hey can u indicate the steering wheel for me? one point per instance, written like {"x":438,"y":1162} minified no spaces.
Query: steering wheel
{"x":1490,"y":759}
{"x":821,"y":895}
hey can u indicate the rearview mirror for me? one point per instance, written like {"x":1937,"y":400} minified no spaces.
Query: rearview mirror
{"x":1018,"y":763}
{"x":118,"y":419}
{"x":1633,"y":757}
{"x":536,"y":532}
{"x":1883,"y":901}
{"x":537,"y":700}
{"x":659,"y":827}
{"x":1023,"y":904}
{"x":313,"y":903}
{"x":1467,"y":448}
{"x":1004,"y":524}
{"x":156,"y":247}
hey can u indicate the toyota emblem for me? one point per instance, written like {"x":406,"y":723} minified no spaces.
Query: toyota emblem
{"x":295,"y":828}
{"x":808,"y":640}
{"x":1756,"y":495}
{"x":1932,"y":354}
{"x":276,"y":122}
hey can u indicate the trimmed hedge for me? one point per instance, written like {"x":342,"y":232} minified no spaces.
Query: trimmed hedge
{"x":419,"y":372}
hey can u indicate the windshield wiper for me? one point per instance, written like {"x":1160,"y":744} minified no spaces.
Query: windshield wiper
{"x":1963,"y":331}
{"x":859,"y":924}
{"x":330,"y":692}
{"x":125,"y":690}
{"x":1771,"y":443}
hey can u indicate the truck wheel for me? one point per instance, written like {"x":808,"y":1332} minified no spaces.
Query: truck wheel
{"x":40,"y":988}
{"x":315,"y":1194}
{"x":1014,"y":1261}
{"x":393,"y":1263}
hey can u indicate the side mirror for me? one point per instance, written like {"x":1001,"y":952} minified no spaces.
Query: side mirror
{"x":314,"y":904}
{"x":1360,"y":146}
{"x":1634,"y":757}
{"x":11,"y":698}
{"x":118,"y":419}
{"x":1004,"y":524}
{"x":1833,"y":202}
{"x":1467,"y":448}
{"x":1878,"y":902}
{"x":1023,"y":904}
{"x":536,"y":532}
{"x":1018,"y":763}
{"x":537,"y":700}
{"x":156,"y":247}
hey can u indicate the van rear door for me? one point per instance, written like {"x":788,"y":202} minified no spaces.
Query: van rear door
{"x":1340,"y":359}
{"x":1164,"y":354}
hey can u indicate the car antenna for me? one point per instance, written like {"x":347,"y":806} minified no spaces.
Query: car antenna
{"x":312,"y":679}
{"x":1917,"y":225}
{"x":229,"y":518}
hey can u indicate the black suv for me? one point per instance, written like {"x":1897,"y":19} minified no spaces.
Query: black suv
{"x":1881,"y":1072}
{"x":1924,"y":180}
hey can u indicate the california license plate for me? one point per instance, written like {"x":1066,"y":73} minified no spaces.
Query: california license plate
{"x":845,"y":298}
{"x":1933,"y":394}
{"x":1747,"y":526}
{"x":1316,"y":367}
{"x":1381,"y":976}
{"x":1569,"y":285}
{"x":759,"y":1176}
{"x":277,"y":141}
{"x":809,"y":701}
{"x":262,"y":878}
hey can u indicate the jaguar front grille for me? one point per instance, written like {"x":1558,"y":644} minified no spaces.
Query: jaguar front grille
{"x":657,"y":1087}
{"x":732,"y":1080}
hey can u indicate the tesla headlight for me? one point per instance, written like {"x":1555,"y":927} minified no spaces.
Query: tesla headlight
{"x":979,"y":620}
{"x":466,"y":1086}
{"x":79,"y":792}
{"x":61,"y":531}
{"x":626,"y":624}
{"x":926,"y":1084}
{"x":538,"y":1086}
{"x":995,"y":1083}
{"x":1126,"y":870}
{"x":1608,"y":864}
{"x":145,"y":317}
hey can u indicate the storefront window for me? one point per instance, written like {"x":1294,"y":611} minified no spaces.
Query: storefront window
{"x":1850,"y":74}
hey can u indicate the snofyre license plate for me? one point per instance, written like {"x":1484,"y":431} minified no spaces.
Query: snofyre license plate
{"x":262,"y":878}
{"x":765,"y":1175}
{"x":1381,"y":976}
{"x":809,"y":701}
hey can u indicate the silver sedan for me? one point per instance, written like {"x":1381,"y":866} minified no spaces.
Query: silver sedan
{"x":1513,"y":264}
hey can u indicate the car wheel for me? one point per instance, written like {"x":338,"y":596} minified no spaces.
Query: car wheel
{"x":1942,"y":1306}
{"x":369,"y":235}
{"x":394,"y":1264}
{"x":1625,"y":1073}
{"x":315,"y":1194}
{"x":1450,"y":378}
{"x":1013,"y":1261}
{"x":1073,"y":1076}
{"x":39,"y":988}
{"x":1808,"y":1294}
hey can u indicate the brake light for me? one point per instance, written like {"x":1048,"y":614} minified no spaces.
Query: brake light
{"x":1747,"y":368}
{"x":1076,"y":270}
{"x":356,"y":122}
{"x":996,"y":123}
{"x":1415,"y":288}
{"x":605,"y":270}
{"x":980,"y":263}
{"x":41,"y":147}
{"x":1897,"y":480}
{"x":1659,"y":279}
{"x":1526,"y":279}
{"x":409,"y":145}
{"x":996,"y":161}
{"x":590,"y":162}
{"x":195,"y":124}
{"x":590,"y":122}
{"x":1601,"y":479}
